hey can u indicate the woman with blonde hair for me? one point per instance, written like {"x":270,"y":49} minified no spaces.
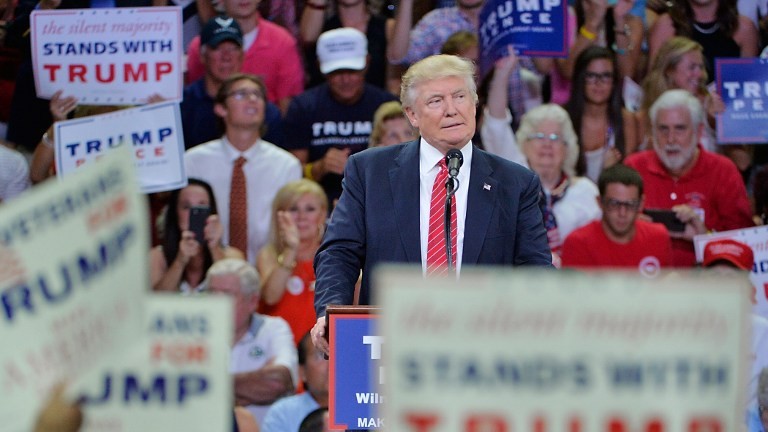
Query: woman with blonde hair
{"x":391,"y":126}
{"x":679,"y":65}
{"x":285,"y":263}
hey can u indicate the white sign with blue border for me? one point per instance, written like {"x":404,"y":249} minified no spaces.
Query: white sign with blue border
{"x":152,"y":132}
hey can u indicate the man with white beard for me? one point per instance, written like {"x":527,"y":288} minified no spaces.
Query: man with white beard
{"x":703,"y":189}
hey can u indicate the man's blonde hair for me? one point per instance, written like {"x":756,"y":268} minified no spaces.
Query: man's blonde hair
{"x":434,"y":67}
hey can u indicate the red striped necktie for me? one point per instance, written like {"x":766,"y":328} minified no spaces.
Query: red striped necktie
{"x":437,"y":257}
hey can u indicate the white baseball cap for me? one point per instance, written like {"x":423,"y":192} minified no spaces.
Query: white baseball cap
{"x":343,"y":48}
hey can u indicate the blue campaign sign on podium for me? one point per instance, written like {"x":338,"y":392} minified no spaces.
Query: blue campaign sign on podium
{"x":742,"y":83}
{"x":355,"y":369}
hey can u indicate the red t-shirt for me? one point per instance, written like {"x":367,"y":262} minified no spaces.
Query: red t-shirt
{"x":713,"y":185}
{"x":297,"y":306}
{"x":648,"y":251}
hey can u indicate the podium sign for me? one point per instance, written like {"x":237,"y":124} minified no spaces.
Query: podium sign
{"x":547,"y":351}
{"x":355,"y":369}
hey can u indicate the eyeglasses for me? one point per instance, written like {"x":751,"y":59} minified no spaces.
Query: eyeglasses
{"x":243,"y":94}
{"x":594,"y":77}
{"x":541,"y":136}
{"x":613,"y":205}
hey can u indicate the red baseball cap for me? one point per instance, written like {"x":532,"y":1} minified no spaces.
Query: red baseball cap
{"x":732,"y":251}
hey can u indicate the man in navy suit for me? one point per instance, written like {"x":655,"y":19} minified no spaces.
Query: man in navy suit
{"x":383,"y":213}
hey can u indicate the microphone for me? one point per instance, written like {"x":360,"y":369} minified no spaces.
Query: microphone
{"x":454,"y":159}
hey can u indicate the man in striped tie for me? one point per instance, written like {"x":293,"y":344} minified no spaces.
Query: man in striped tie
{"x":393,"y":208}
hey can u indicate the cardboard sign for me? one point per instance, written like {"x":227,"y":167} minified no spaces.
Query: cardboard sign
{"x":355,"y":371}
{"x":510,"y":350}
{"x":176,"y":378}
{"x":757,"y":239}
{"x":533,"y":27}
{"x":742,"y":83}
{"x":73,"y":273}
{"x":152,"y":132}
{"x":111,"y":56}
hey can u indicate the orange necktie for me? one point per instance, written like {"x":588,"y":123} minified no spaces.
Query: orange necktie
{"x":238,"y":208}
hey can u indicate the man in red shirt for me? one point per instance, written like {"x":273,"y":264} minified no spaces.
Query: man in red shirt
{"x":619,"y":239}
{"x":704,"y":189}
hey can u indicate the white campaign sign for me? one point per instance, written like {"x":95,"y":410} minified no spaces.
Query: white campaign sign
{"x":110,"y":56}
{"x":510,"y":350}
{"x":153,"y":133}
{"x":73,"y":276}
{"x":175,"y":379}
{"x":757,"y":239}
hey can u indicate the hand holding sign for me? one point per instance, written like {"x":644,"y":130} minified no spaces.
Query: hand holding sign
{"x":621,"y":8}
{"x":594,"y":14}
{"x":58,"y":415}
{"x":505,"y":65}
{"x":61,"y":106}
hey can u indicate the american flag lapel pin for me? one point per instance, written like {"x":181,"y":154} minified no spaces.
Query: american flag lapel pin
{"x":486,"y":186}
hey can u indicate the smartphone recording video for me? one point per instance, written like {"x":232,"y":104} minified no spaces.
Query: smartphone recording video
{"x":197,"y":217}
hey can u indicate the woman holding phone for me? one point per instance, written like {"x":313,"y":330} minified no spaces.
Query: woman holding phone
{"x":181,"y":261}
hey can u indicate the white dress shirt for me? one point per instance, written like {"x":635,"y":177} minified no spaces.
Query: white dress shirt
{"x":428,"y":159}
{"x":267,"y":170}
{"x":268,"y":341}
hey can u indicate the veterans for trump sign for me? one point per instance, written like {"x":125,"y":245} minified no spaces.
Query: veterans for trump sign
{"x":151,"y":132}
{"x":73,"y":274}
{"x":112,"y":56}
{"x":509,"y":350}
{"x":532,"y":27}
{"x":175,"y":378}
{"x":743,"y":85}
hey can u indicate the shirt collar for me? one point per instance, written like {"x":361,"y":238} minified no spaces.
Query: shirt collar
{"x":257,"y":320}
{"x":233,"y":153}
{"x":429,"y":156}
{"x":657,"y":166}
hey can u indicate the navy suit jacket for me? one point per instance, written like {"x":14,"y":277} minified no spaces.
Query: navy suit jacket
{"x":377,"y":220}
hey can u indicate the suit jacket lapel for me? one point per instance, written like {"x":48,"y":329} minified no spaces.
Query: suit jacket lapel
{"x":404,"y":180}
{"x":481,"y":199}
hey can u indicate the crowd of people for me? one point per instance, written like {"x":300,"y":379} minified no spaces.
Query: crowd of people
{"x":313,"y":131}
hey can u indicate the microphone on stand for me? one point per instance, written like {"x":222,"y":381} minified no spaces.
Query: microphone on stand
{"x":453,"y":160}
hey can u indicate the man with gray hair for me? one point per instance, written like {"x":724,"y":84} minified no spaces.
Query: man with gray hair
{"x":703,"y":189}
{"x":263,"y":360}
{"x":393,"y":205}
